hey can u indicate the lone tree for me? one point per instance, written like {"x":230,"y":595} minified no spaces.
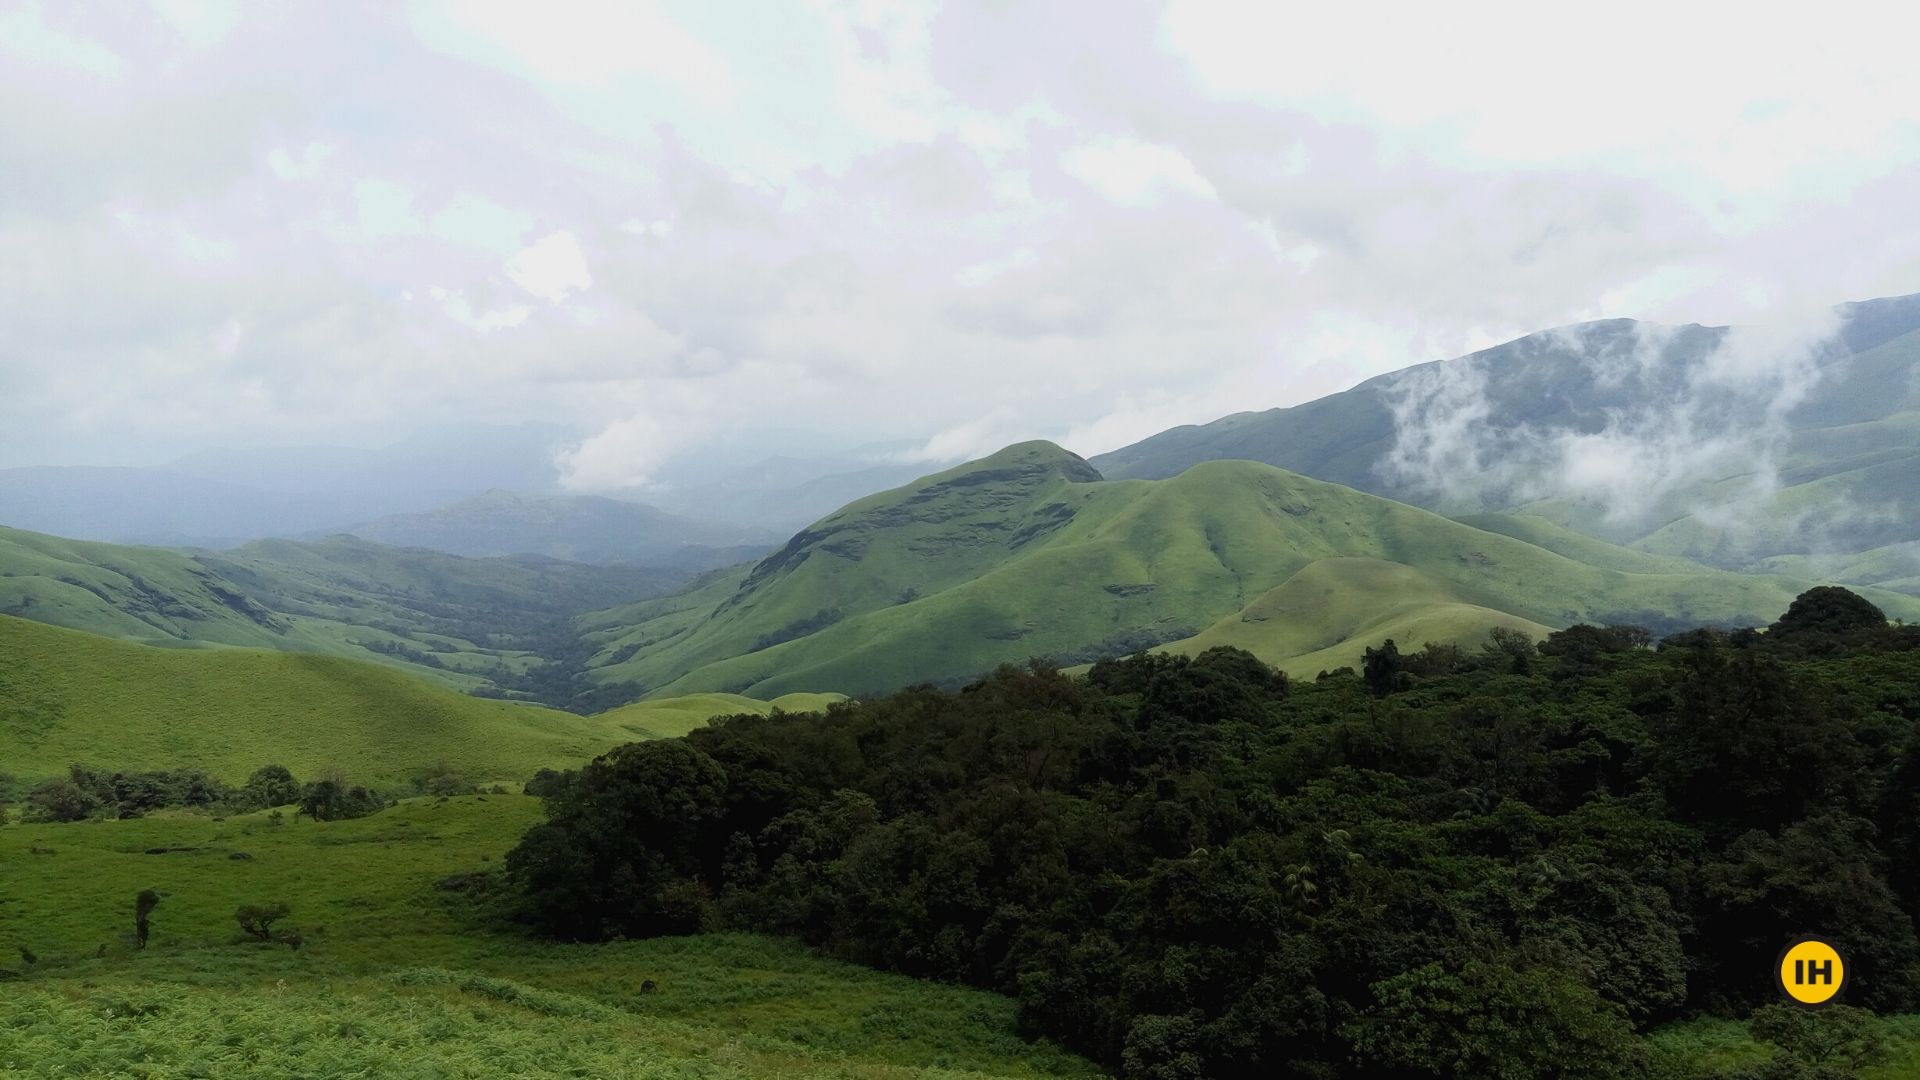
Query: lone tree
{"x":143,"y":906}
{"x":258,"y":919}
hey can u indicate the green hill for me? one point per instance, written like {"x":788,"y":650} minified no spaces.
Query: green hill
{"x":1846,"y":466}
{"x":1029,"y":552}
{"x":67,"y":696}
{"x":471,"y":624}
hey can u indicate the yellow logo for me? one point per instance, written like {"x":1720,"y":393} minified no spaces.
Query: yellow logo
{"x":1811,"y":972}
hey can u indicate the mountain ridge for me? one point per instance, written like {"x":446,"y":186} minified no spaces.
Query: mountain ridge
{"x":578,"y":528}
{"x":1754,"y":448}
{"x":1026,"y":553}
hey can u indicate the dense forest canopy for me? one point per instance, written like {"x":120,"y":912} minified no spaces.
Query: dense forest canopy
{"x":1492,"y":863}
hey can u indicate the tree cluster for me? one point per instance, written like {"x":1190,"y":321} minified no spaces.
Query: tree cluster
{"x":1503,"y":862}
{"x":87,"y":792}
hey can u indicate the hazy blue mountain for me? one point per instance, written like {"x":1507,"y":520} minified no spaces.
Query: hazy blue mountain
{"x":786,"y":492}
{"x":154,"y":506}
{"x":421,"y":471}
{"x":581,"y":528}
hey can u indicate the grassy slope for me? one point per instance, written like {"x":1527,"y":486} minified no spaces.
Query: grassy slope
{"x":1026,"y":553}
{"x":1326,"y":616}
{"x":396,"y":978}
{"x":67,"y":696}
{"x":670,"y":718}
{"x":147,"y":593}
{"x":341,"y":596}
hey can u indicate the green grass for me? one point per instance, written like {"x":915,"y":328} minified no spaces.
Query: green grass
{"x":1028,"y":553}
{"x":1326,"y":615}
{"x":457,"y":621}
{"x":1711,"y":1044}
{"x":399,"y":977}
{"x":670,"y":718}
{"x":67,"y":696}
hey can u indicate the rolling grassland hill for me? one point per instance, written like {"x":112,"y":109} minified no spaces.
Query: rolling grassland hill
{"x":1837,"y":497}
{"x":1030,"y":552}
{"x":473,"y":624}
{"x":68,"y":696}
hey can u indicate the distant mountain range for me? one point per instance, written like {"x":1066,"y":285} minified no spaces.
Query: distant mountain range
{"x":502,"y":499}
{"x":153,"y":506}
{"x":1746,"y":447}
{"x":580,"y":528}
{"x":787,"y":492}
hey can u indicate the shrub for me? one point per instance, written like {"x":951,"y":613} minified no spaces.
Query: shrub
{"x":270,"y":785}
{"x":60,"y":800}
{"x":332,"y":800}
{"x":143,"y":905}
{"x":258,"y":919}
{"x":547,"y":783}
{"x":1838,"y":1037}
{"x":440,"y":778}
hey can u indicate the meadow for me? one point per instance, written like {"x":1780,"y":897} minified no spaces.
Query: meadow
{"x":67,"y":696}
{"x":404,"y":970}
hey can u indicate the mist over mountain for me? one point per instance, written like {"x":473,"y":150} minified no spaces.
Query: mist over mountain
{"x":1741,"y":446}
{"x":153,"y":506}
{"x":412,"y":491}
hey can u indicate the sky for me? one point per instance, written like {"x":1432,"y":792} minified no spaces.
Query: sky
{"x":670,"y":226}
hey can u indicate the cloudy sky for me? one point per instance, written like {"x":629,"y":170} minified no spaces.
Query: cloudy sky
{"x":672,"y":225}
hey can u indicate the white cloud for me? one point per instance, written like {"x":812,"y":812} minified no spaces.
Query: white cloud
{"x":578,"y":41}
{"x":202,"y":22}
{"x":304,"y":165}
{"x":25,"y":33}
{"x":481,"y":223}
{"x":1134,"y":172}
{"x":938,"y":224}
{"x":551,"y":268}
{"x":627,"y":453}
{"x":975,"y":438}
{"x":384,"y":208}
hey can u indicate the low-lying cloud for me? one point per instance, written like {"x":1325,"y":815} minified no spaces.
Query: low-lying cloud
{"x":1699,"y":432}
